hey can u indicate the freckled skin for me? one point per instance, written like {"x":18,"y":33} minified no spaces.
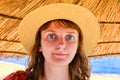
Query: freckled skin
{"x":57,"y":48}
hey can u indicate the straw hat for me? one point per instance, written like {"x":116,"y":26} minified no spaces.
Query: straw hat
{"x":77,"y":14}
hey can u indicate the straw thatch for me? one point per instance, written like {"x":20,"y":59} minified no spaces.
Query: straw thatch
{"x":13,"y":11}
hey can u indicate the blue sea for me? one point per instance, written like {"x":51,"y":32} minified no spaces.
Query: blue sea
{"x":103,"y":65}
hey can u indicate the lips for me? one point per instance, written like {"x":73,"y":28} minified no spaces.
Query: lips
{"x":60,"y":54}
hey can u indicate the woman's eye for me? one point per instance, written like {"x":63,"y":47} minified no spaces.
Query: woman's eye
{"x":70,"y":37}
{"x":51,"y":36}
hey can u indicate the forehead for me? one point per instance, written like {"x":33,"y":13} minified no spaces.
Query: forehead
{"x":64,"y":23}
{"x":59,"y":27}
{"x":60,"y":23}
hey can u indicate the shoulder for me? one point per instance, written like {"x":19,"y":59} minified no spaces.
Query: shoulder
{"x":18,"y":75}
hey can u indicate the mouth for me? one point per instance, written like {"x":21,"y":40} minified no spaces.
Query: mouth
{"x":60,"y":54}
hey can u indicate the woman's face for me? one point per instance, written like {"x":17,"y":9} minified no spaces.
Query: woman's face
{"x":59,"y":44}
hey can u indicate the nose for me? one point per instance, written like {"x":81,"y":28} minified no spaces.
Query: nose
{"x":61,"y":44}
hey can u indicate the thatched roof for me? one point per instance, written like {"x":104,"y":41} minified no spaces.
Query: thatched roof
{"x":13,"y":11}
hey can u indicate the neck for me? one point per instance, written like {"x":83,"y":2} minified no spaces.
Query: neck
{"x":55,"y":72}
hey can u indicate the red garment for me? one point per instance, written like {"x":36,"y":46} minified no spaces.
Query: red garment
{"x":18,"y":75}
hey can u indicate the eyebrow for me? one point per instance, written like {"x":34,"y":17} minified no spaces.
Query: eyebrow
{"x":71,"y":32}
{"x":56,"y":31}
{"x":74,"y":32}
{"x":50,"y":31}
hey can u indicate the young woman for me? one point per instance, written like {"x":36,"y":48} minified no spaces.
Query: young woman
{"x":58,"y":42}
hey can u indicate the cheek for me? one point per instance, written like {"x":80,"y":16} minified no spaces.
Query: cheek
{"x":72,"y":46}
{"x":72,"y":49}
{"x":45,"y":49}
{"x":46,"y":46}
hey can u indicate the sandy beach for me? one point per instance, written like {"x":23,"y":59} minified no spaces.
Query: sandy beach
{"x":7,"y":68}
{"x":104,"y":77}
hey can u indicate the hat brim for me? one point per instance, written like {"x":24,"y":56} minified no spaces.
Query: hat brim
{"x":77,"y":14}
